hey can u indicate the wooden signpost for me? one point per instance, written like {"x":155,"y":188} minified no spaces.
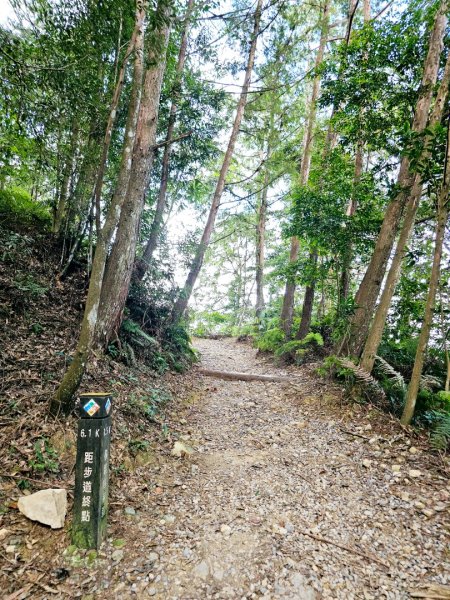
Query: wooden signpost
{"x":90,"y":511}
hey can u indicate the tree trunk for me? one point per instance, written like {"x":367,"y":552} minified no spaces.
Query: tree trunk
{"x":369,"y":288}
{"x":344,"y":286}
{"x":287,"y":310}
{"x":139,"y":19}
{"x":183,"y":299}
{"x":61,"y":208}
{"x":142,"y":264}
{"x":260,"y":246}
{"x":62,"y":401}
{"x":308,"y":301}
{"x":116,"y":281}
{"x":379,"y":321}
{"x":441,"y":222}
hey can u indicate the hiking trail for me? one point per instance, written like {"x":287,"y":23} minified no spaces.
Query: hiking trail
{"x":278,"y":501}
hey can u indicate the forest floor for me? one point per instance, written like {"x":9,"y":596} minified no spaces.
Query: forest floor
{"x":286,"y":492}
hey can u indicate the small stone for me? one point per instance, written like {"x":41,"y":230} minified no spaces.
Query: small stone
{"x":180,"y":449}
{"x":418,"y":504}
{"x":415,"y":473}
{"x":440,"y":507}
{"x":187,"y":553}
{"x":10,"y":549}
{"x":117,"y":555}
{"x":201,"y":570}
{"x":368,"y":427}
{"x":413,"y":450}
{"x":367,"y":463}
{"x":303,"y":591}
{"x":46,"y":506}
{"x":405,"y":496}
{"x":396,"y":468}
{"x":225,"y":529}
{"x":153,"y":557}
{"x":151,"y":591}
{"x":129,"y":510}
{"x":278,"y":529}
{"x":428,"y":512}
{"x":4,"y":533}
{"x":170,"y":519}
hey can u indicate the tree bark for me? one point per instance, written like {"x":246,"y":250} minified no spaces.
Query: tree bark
{"x":183,"y":299}
{"x":236,"y":376}
{"x":116,"y":281}
{"x":142,"y":264}
{"x":344,"y":286}
{"x":369,"y":288}
{"x":308,"y":301}
{"x":379,"y":320}
{"x":441,"y":222}
{"x":139,"y":19}
{"x":260,"y":247}
{"x":62,"y":400}
{"x":287,"y":310}
{"x":61,"y":208}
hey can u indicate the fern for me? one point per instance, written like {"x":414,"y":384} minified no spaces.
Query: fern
{"x":429,"y":383}
{"x":440,"y":437}
{"x":363,"y":377}
{"x":395,"y":378}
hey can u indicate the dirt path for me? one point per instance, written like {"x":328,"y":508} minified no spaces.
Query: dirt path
{"x":272,"y":472}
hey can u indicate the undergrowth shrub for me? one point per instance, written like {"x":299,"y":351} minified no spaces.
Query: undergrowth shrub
{"x":148,"y":332}
{"x":149,"y":404}
{"x":18,"y":208}
{"x":440,"y":435}
{"x":300,"y":351}
{"x":270,"y":340}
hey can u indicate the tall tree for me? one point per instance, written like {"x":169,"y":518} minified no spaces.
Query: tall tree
{"x":287,"y":310}
{"x":62,"y":400}
{"x":119,"y":268}
{"x":424,"y":336}
{"x":183,"y":300}
{"x":113,"y":114}
{"x":369,"y":288}
{"x":351,"y":209}
{"x":143,"y":262}
{"x":260,"y":243}
{"x":379,"y":320}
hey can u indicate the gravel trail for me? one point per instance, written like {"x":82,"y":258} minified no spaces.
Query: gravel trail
{"x":280,"y":499}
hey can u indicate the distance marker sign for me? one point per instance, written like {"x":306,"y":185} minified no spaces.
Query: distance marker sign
{"x":90,"y":510}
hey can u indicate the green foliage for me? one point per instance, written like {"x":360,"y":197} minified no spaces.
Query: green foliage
{"x":444,"y":396}
{"x":440,"y":436}
{"x":207,"y":323}
{"x":360,"y":385}
{"x":148,"y":405}
{"x":289,"y":348}
{"x":45,"y":457}
{"x":36,"y":328}
{"x":29,"y":286}
{"x":18,"y":209}
{"x":313,"y":339}
{"x":270,"y":340}
{"x":136,"y":446}
{"x":298,"y":350}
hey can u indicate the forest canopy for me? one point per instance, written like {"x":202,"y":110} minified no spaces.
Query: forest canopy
{"x":270,"y":169}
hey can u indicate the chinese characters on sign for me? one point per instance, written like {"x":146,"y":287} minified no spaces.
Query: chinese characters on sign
{"x":92,"y":470}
